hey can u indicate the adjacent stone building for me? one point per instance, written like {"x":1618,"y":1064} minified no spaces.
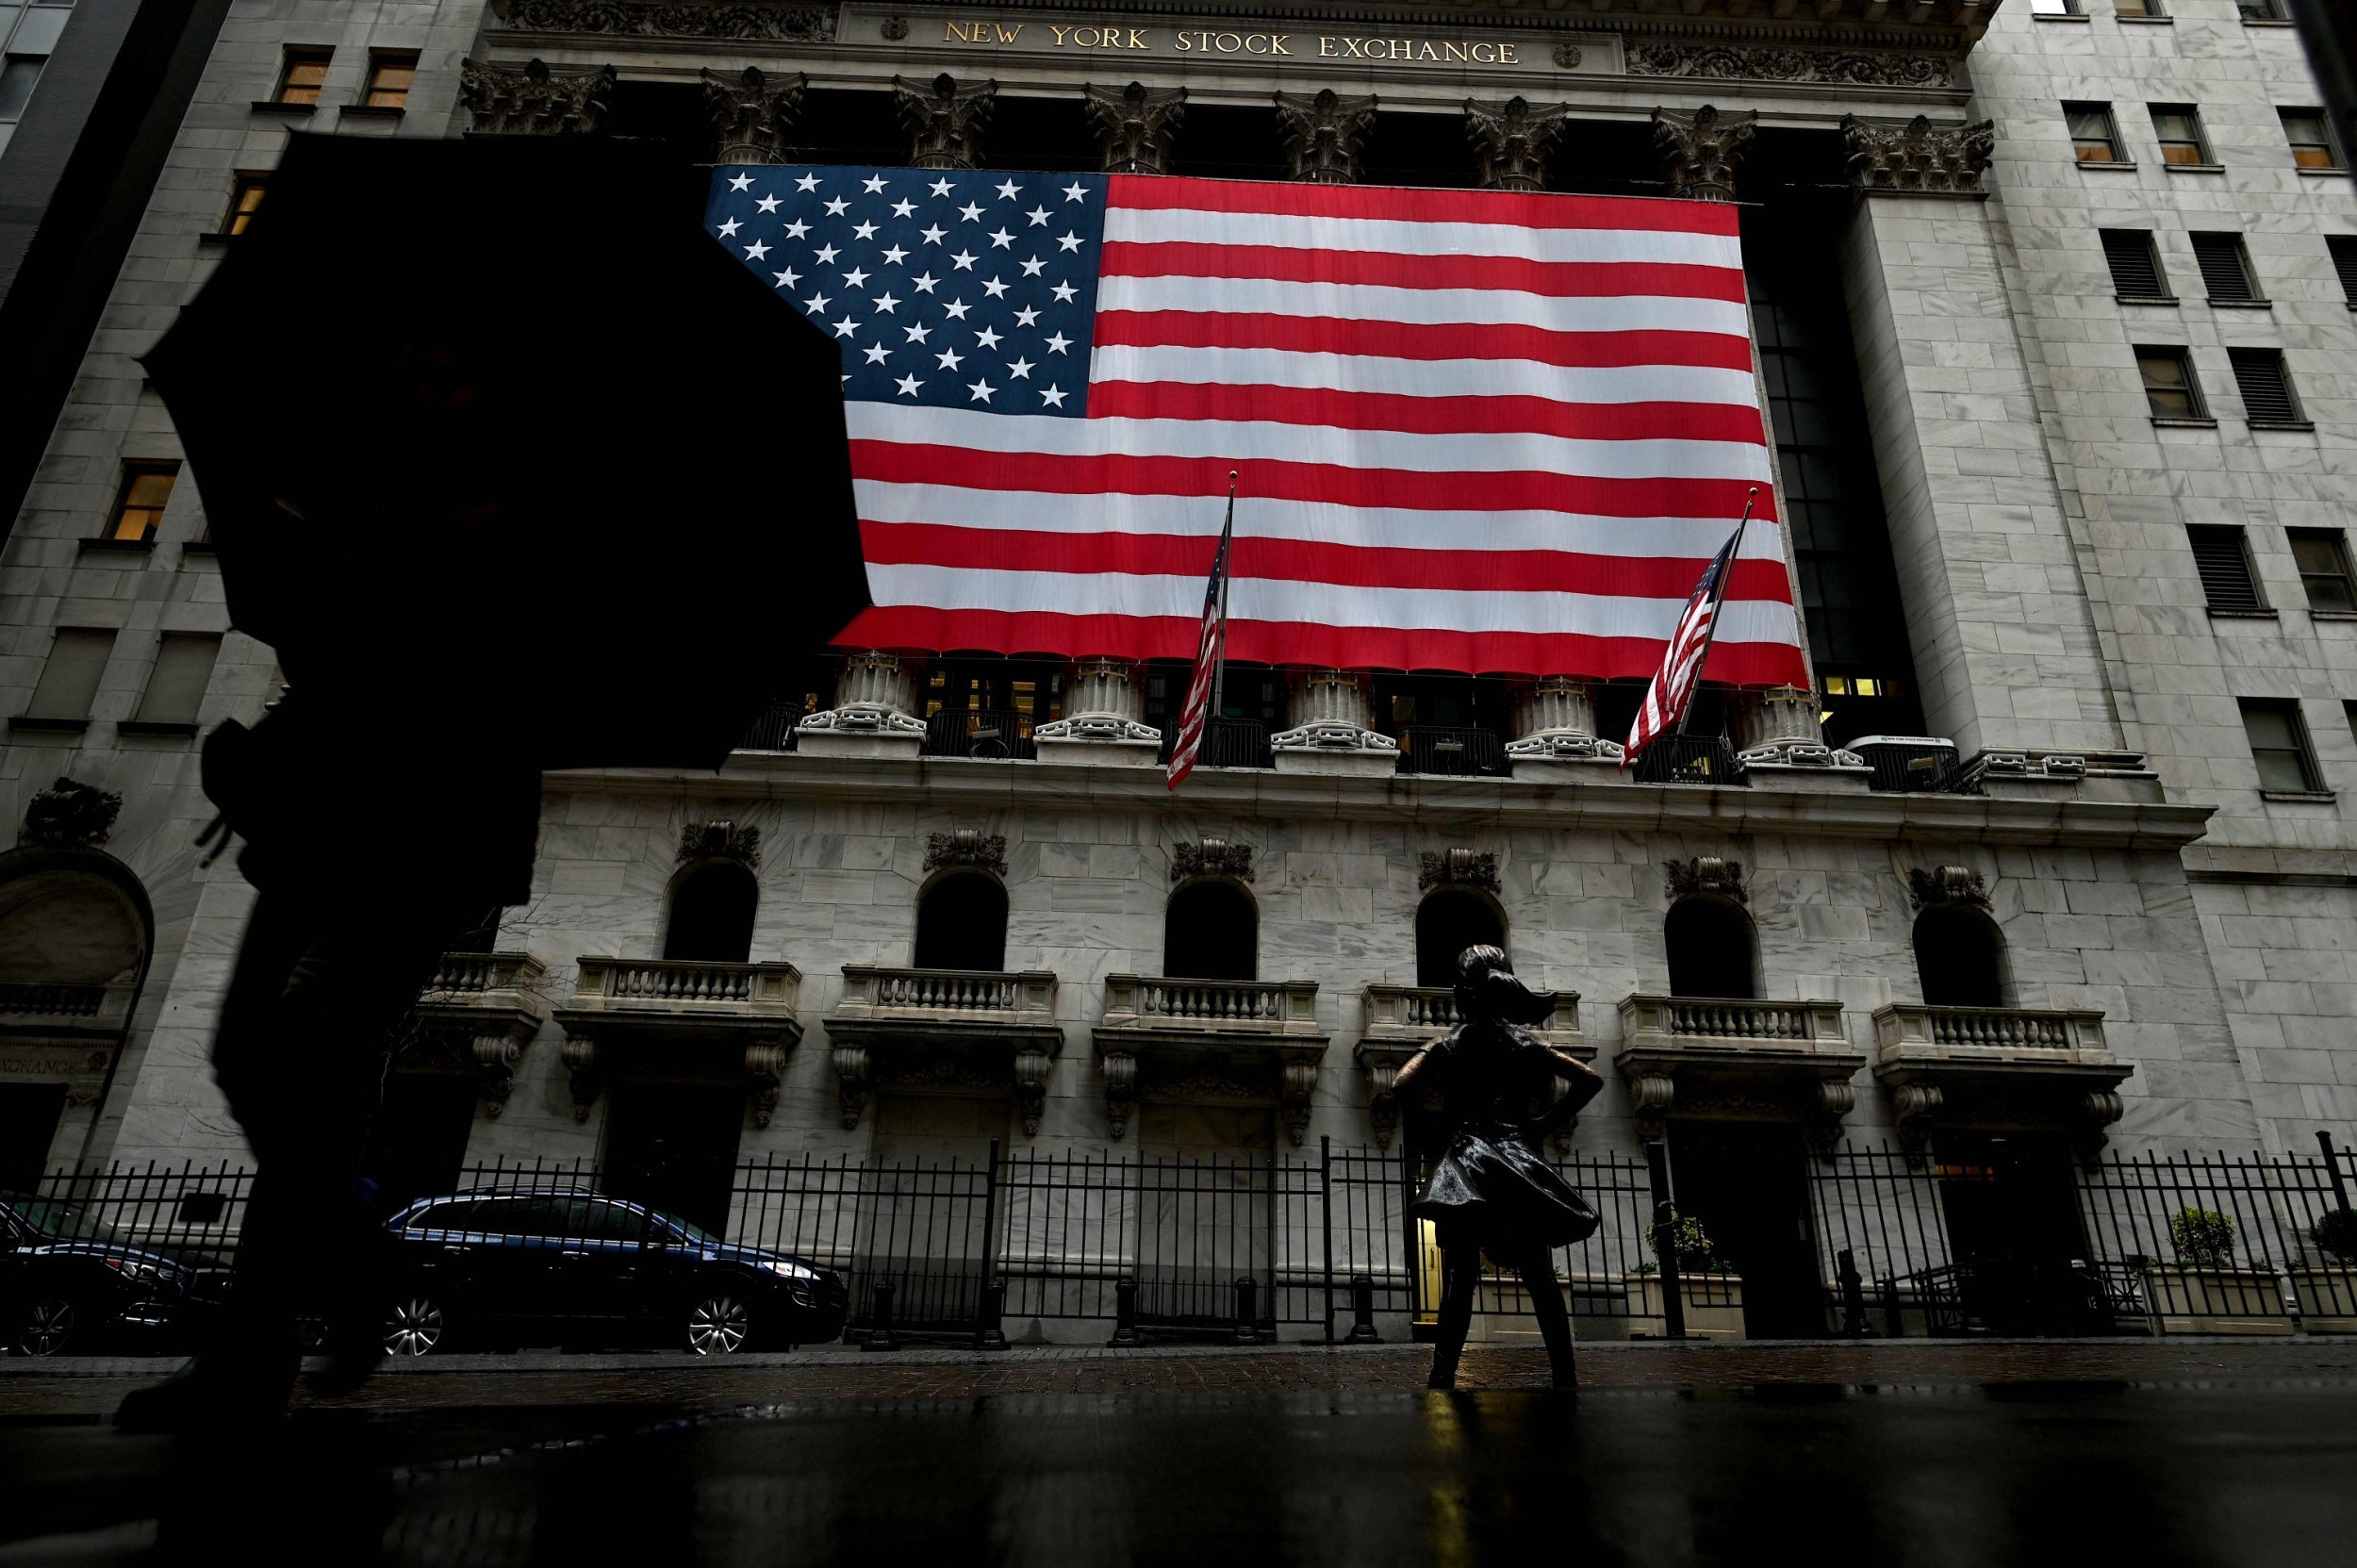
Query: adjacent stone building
{"x":2053,"y":305}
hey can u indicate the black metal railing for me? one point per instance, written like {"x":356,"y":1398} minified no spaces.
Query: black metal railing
{"x":1900,"y":768}
{"x":996,"y":735}
{"x":1226,"y":743}
{"x":1452,"y":752}
{"x":774,"y":730}
{"x":1689,"y":759}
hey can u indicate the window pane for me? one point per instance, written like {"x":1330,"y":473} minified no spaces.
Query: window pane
{"x":69,"y":681}
{"x":2310,"y":140}
{"x":249,"y":196}
{"x":2278,"y":747}
{"x":2091,"y":133}
{"x":2323,"y":571}
{"x":184,"y":666}
{"x":17,"y":76}
{"x":390,"y":80}
{"x":2133,"y":8}
{"x":145,"y":493}
{"x":2168,"y":386}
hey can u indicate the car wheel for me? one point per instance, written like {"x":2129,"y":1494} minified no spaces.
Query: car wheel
{"x":45,"y":1327}
{"x":718,"y":1323}
{"x":413,"y":1326}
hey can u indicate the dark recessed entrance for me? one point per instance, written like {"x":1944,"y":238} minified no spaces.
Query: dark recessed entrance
{"x":674,"y":1147}
{"x":2012,"y":1209}
{"x":1748,"y":1183}
{"x":29,"y":1114}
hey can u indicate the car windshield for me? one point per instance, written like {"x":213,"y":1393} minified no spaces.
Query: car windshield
{"x":64,"y":1221}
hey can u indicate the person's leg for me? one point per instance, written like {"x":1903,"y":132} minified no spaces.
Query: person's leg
{"x":1460,"y":1276}
{"x":1554,"y":1323}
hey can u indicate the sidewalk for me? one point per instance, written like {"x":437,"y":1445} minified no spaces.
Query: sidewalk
{"x":81,"y":1387}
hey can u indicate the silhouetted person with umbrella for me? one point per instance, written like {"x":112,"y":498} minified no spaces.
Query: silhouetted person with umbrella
{"x":523,"y":367}
{"x":1491,"y":1191}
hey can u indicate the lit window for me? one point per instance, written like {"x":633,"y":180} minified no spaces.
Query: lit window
{"x":2311,"y":136}
{"x":2178,"y":127}
{"x":2093,"y":136}
{"x":391,"y":77}
{"x":2279,"y":745}
{"x":2168,"y":384}
{"x":1837,"y":686}
{"x":2322,"y":557}
{"x":302,"y":76}
{"x":139,"y":504}
{"x":243,"y":201}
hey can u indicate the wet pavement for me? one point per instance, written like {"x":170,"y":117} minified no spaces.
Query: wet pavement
{"x":2159,"y":1453}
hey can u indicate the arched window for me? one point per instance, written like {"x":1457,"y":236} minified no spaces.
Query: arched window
{"x":1960,"y":958}
{"x":712,"y":913}
{"x":1448,"y":921}
{"x":1212,"y":932}
{"x":962,"y":923}
{"x":1713,"y":951}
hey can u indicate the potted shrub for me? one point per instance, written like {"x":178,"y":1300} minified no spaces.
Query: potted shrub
{"x":1709,"y":1290}
{"x":2203,"y":1292}
{"x":2327,"y":1291}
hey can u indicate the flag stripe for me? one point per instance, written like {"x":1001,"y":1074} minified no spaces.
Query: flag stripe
{"x":1429,"y":416}
{"x":1392,"y":269}
{"x":1421,"y":340}
{"x":1507,"y":210}
{"x":1426,"y":306}
{"x":1422,"y":378}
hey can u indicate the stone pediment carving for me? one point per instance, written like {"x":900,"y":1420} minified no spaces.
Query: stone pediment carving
{"x":985,"y":852}
{"x":1212,"y":857}
{"x":1135,"y":125}
{"x":637,"y":18}
{"x":1458,"y":868}
{"x":1512,"y":140}
{"x":1323,"y":135}
{"x":1948,"y":884}
{"x":1705,"y":874}
{"x":720,"y":840}
{"x":1846,"y":67}
{"x":535,"y":98}
{"x":1919,"y":158}
{"x":70,"y":815}
{"x":750,"y":113}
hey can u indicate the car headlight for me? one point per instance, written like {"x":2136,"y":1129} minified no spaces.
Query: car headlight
{"x":794,"y":1272}
{"x":145,"y":1274}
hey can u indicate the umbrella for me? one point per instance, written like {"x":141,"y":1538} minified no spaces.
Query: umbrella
{"x":492,"y":430}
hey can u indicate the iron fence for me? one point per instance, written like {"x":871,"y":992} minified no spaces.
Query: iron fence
{"x":1452,"y":751}
{"x":1226,"y":743}
{"x":1691,"y":759}
{"x":774,"y":730}
{"x":996,"y":735}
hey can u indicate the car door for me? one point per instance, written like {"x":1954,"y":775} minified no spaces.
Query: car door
{"x":596,"y":1265}
{"x":514,"y":1260}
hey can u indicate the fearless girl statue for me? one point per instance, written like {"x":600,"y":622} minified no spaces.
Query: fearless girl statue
{"x":1491,"y":1192}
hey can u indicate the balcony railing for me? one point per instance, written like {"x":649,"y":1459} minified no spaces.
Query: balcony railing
{"x":947,"y":993}
{"x":473,"y":974}
{"x":1728,"y":1018}
{"x":1988,"y":1030}
{"x":992,"y":735}
{"x":51,"y":1001}
{"x":658,"y":986}
{"x":1452,"y":752}
{"x":1689,"y":759}
{"x":1211,"y":1004}
{"x":1226,"y":743}
{"x":1691,"y":1051}
{"x":900,"y":1026}
{"x":774,"y":730}
{"x":1421,"y":1013}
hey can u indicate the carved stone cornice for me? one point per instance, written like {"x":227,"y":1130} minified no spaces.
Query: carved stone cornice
{"x":1919,"y":158}
{"x":944,"y":120}
{"x":1705,"y":874}
{"x":720,"y":840}
{"x":638,"y":19}
{"x":984,"y":852}
{"x":535,"y":98}
{"x":69,"y":815}
{"x":1323,"y":135}
{"x":751,"y":112}
{"x":1948,"y":884}
{"x":1838,"y":67}
{"x":1512,"y":140}
{"x":1458,"y":868}
{"x":1211,"y":857}
{"x":1701,"y":151}
{"x":1135,"y":125}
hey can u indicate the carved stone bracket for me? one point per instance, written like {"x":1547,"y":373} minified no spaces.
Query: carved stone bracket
{"x":720,"y":840}
{"x":1917,"y":1106}
{"x":1135,"y":125}
{"x":1948,"y":884}
{"x":1512,"y":140}
{"x":1700,"y":152}
{"x":1458,"y":868}
{"x":1919,"y":158}
{"x":984,"y":852}
{"x":535,"y":98}
{"x":1650,"y":1096}
{"x":944,"y":120}
{"x":1032,"y":1067}
{"x":1382,"y":1100}
{"x":70,"y":815}
{"x":641,"y":19}
{"x":495,"y":1059}
{"x":1211,"y":857}
{"x":750,"y":113}
{"x":580,"y":1053}
{"x":1298,"y":1082}
{"x":1323,"y":135}
{"x":1121,"y":1090}
{"x":765,"y":1066}
{"x":851,"y":1082}
{"x":1705,"y":874}
{"x":1843,"y":66}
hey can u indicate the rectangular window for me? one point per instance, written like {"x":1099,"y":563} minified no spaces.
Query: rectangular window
{"x":69,"y":681}
{"x":245,"y":198}
{"x":2093,"y":136}
{"x":2138,"y":10}
{"x":2266,"y":387}
{"x":2168,"y":384}
{"x":140,"y":502}
{"x":175,"y":689}
{"x":2221,"y":553}
{"x":391,"y":77}
{"x":18,"y":73}
{"x":2279,"y":744}
{"x":2322,"y":557}
{"x":2311,"y":136}
{"x":2054,"y":7}
{"x":2261,"y":10}
{"x":2225,"y":269}
{"x":2178,"y":128}
{"x":2136,"y":266}
{"x":2344,"y":249}
{"x":302,"y":75}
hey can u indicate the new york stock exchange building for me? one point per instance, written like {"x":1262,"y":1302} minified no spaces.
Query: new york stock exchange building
{"x":1936,"y":978}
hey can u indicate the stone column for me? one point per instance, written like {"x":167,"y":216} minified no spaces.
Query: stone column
{"x":535,"y":98}
{"x":874,"y":712}
{"x":1104,"y":722}
{"x":1135,"y":125}
{"x":1331,"y":713}
{"x":1323,"y":135}
{"x":945,"y":121}
{"x":1512,"y":140}
{"x":751,"y":112}
{"x":1701,"y":151}
{"x":1555,"y":721}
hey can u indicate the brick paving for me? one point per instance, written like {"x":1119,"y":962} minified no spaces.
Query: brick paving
{"x":70,"y":1390}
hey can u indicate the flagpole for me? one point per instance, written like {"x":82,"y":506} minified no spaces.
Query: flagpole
{"x":1219,"y":658}
{"x":1710,"y":631}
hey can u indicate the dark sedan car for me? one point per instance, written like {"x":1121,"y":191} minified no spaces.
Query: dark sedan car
{"x":70,"y":1280}
{"x":495,"y":1266}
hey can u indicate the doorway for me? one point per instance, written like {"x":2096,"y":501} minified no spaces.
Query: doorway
{"x":674,"y":1147}
{"x":1747,"y":1182}
{"x":2011,"y":1204}
{"x":29,"y":1114}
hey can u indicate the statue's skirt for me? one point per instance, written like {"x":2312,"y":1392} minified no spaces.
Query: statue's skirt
{"x":1491,"y":1190}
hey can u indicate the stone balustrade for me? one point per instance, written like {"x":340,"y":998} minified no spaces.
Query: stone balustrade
{"x":944,"y":1029}
{"x":1901,"y":1030}
{"x":484,"y":1007}
{"x":2012,"y":1065}
{"x":1211,"y":1041}
{"x":1695,"y":1052}
{"x":629,"y":1014}
{"x":948,"y":991}
{"x":466,"y":974}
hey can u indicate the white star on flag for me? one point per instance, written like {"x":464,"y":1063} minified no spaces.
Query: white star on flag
{"x":837,"y":207}
{"x":1053,"y":396}
{"x":942,"y":188}
{"x":874,"y":184}
{"x":728,"y":230}
{"x":1021,"y":370}
{"x":1038,"y":216}
{"x":1000,"y":239}
{"x":904,"y":207}
{"x":878,"y":354}
{"x":951,"y":359}
{"x":756,"y":251}
{"x":982,"y":390}
{"x":918,"y":333}
{"x":885,"y":304}
{"x":808,"y":182}
{"x":994,"y":289}
{"x":742,"y":182}
{"x":931,"y":235}
{"x":908,"y":385}
{"x":957,"y":309}
{"x":1075,"y":191}
{"x":987,"y":339}
{"x":1008,"y":191}
{"x":767,"y":203}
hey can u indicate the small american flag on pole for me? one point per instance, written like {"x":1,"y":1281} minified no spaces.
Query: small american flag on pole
{"x":1210,"y":653}
{"x":1673,"y":687}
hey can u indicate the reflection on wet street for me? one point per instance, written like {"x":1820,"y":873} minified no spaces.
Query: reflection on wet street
{"x":2142,"y":1474}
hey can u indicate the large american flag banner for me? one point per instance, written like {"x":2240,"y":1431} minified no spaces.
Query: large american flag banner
{"x":1479,"y":431}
